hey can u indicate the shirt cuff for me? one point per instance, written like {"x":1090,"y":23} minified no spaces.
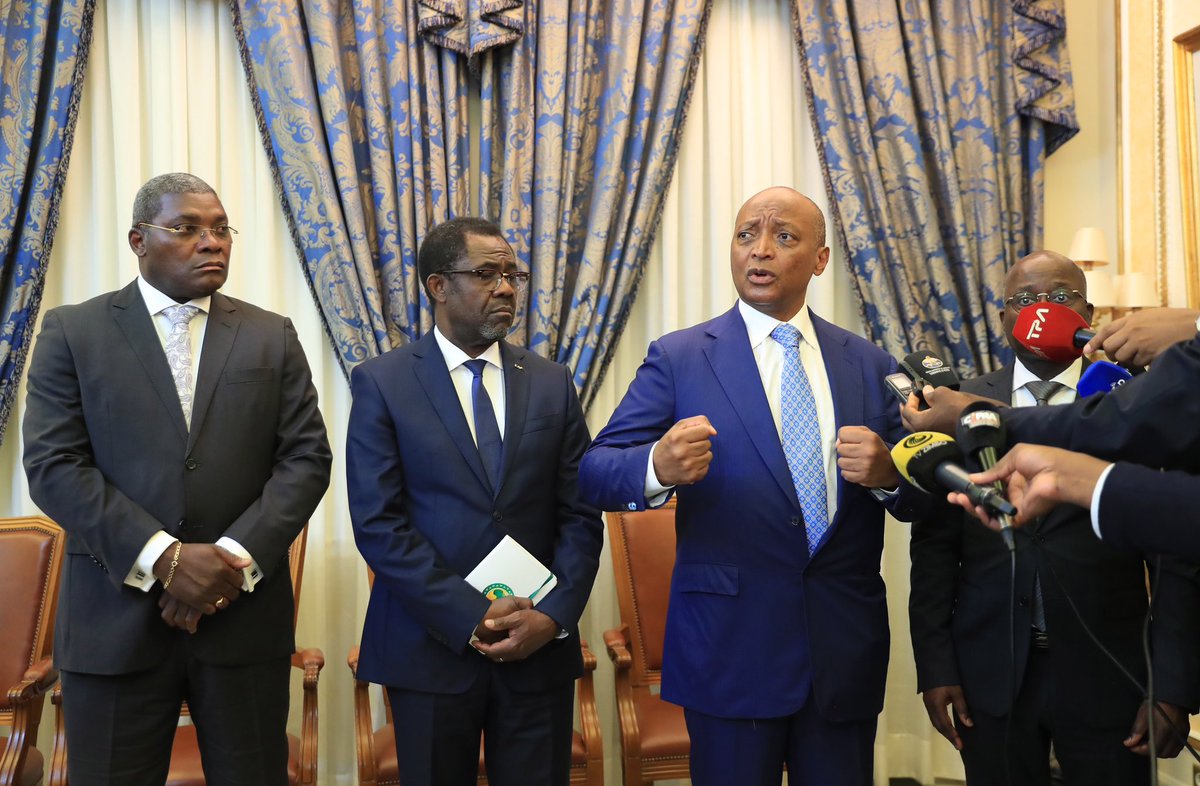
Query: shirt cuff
{"x":250,"y":575}
{"x":656,"y":493}
{"x":141,"y":575}
{"x":1096,"y":499}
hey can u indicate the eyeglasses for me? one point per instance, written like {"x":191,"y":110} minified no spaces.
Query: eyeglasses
{"x":489,"y":278}
{"x":223,"y":232}
{"x":1062,"y":296}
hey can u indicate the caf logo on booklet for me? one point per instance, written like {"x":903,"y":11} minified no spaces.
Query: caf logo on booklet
{"x":498,"y":590}
{"x":915,"y":440}
{"x":932,"y":362}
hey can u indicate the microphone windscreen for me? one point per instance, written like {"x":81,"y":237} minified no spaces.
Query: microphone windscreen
{"x":980,"y":426}
{"x":1048,"y":331}
{"x":918,"y":455}
{"x":924,"y":367}
{"x":1101,"y":377}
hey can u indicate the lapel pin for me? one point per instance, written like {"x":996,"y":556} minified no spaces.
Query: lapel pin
{"x":518,"y":366}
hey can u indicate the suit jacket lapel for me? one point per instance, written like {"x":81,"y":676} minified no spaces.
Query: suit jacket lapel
{"x":516,"y":404}
{"x":219,"y":335}
{"x":134,"y":321}
{"x":733,"y":365}
{"x":844,"y":371}
{"x":431,"y":371}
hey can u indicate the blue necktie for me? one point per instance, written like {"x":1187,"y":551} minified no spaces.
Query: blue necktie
{"x":487,"y":433}
{"x":802,"y":437}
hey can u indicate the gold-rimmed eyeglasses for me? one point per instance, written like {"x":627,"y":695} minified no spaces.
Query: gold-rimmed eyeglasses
{"x":490,"y":278}
{"x":222,"y":232}
{"x":1062,"y":296}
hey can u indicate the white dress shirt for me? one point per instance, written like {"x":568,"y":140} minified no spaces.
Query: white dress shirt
{"x":141,"y":575}
{"x":769,"y":357}
{"x":461,"y":376}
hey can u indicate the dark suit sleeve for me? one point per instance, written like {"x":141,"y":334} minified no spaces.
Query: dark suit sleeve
{"x":1174,"y":644}
{"x":400,"y":556}
{"x":580,"y":530}
{"x":60,"y":461}
{"x":1144,"y":509}
{"x":1152,"y":419}
{"x":936,"y":549}
{"x":909,"y":503}
{"x":300,"y":474}
{"x":612,"y":474}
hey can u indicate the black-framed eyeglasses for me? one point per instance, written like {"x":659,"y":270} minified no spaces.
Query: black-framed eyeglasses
{"x":1062,"y":296}
{"x":489,"y":278}
{"x":221,"y":232}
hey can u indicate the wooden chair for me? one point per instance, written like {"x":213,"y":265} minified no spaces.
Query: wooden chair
{"x":376,"y":748}
{"x":31,"y":551}
{"x":654,"y":739}
{"x":186,"y":769}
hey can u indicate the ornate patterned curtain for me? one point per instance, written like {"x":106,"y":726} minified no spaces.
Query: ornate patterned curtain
{"x":935,"y":118}
{"x":581,"y":122}
{"x":364,"y":121}
{"x":45,"y":46}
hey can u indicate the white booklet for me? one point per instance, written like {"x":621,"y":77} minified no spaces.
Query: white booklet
{"x":511,"y":570}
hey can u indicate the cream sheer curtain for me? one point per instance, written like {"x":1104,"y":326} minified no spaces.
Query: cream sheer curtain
{"x":165,"y":92}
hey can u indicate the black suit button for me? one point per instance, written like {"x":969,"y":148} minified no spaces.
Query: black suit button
{"x":496,"y":515}
{"x":1023,"y":602}
{"x":191,"y":463}
{"x":795,"y":522}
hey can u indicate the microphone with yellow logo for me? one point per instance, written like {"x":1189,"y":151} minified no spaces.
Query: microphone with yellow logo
{"x":932,"y":461}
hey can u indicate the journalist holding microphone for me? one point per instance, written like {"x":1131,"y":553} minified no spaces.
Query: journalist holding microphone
{"x":1004,"y":664}
{"x":1149,"y":426}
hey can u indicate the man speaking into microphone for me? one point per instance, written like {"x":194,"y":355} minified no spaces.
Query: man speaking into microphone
{"x":1001,"y":695}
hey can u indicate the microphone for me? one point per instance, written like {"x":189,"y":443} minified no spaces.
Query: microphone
{"x":1101,"y":377}
{"x":982,"y":436}
{"x":931,"y":461}
{"x":925,"y":368}
{"x":1052,"y":331}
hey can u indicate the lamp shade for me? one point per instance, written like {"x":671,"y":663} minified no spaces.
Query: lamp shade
{"x":1100,"y":290}
{"x":1089,"y":247}
{"x":1137,"y":290}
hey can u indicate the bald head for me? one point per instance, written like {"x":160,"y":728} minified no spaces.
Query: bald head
{"x":1044,"y":265}
{"x":778,"y":246}
{"x":805,"y":208}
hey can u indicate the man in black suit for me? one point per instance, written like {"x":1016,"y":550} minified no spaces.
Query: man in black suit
{"x":173,"y":432}
{"x":1066,"y":690}
{"x":456,"y":441}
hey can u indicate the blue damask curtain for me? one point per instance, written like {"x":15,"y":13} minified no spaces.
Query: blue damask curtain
{"x":362,"y":105}
{"x":364,"y":121}
{"x":934,"y":119}
{"x":45,"y":45}
{"x":581,"y":124}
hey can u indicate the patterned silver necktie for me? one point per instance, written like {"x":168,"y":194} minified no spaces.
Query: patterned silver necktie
{"x":179,"y":355}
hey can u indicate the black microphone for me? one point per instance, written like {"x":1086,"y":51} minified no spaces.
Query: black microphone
{"x":983,"y":439}
{"x":925,"y":368}
{"x":930,"y":461}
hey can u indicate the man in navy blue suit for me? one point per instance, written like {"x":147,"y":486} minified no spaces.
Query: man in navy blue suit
{"x":455,"y":441}
{"x":777,"y":635}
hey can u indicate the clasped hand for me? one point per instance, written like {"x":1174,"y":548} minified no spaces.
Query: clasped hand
{"x":513,"y":630}
{"x":205,"y":576}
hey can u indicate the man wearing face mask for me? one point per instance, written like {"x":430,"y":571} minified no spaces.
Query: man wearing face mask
{"x":1057,"y":685}
{"x":455,"y":441}
{"x":173,"y":432}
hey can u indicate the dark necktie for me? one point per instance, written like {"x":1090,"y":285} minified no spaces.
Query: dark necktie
{"x":1043,"y":390}
{"x":487,"y":432}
